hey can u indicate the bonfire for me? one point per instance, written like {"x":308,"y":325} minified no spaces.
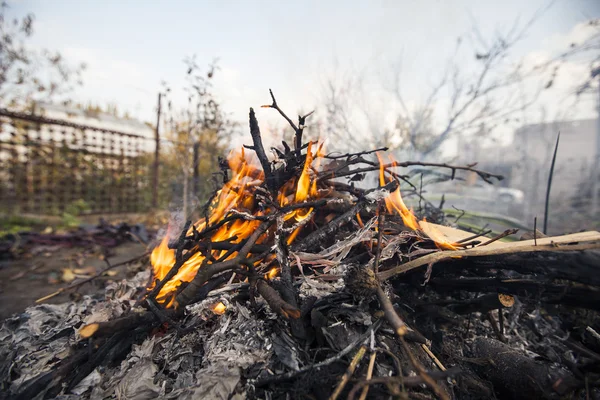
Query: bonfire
{"x":299,"y":281}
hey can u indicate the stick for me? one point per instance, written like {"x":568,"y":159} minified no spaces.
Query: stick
{"x":390,"y":314}
{"x":550,"y":175}
{"x":578,"y":296}
{"x":475,"y":236}
{"x":125,"y":323}
{"x":433,"y":357}
{"x":487,"y":302}
{"x":326,"y":231}
{"x":207,"y":272}
{"x":365,"y":391}
{"x":260,"y":150}
{"x":486,"y":176}
{"x":317,"y":237}
{"x":380,"y":222}
{"x":349,"y":372}
{"x":429,"y":381}
{"x":401,"y":329}
{"x":297,"y":129}
{"x":349,"y":155}
{"x":587,"y":241}
{"x":331,"y":360}
{"x":407,"y":380}
{"x":276,"y":303}
{"x":507,"y":232}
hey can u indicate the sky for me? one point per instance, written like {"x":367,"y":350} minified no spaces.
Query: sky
{"x":291,"y":47}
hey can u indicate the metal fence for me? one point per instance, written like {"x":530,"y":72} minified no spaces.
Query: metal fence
{"x":48,"y":165}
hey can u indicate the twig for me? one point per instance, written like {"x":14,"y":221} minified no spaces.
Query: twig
{"x":298,"y":136}
{"x":318,"y":236}
{"x":408,"y":380}
{"x":297,"y":129}
{"x":495,"y":327}
{"x":321,"y":234}
{"x":276,"y":303}
{"x":163,"y":318}
{"x":550,"y":175}
{"x":21,"y":274}
{"x":468,"y":239}
{"x":365,"y":390}
{"x":349,"y":372}
{"x":462,"y":212}
{"x":207,"y":272}
{"x":433,"y":357}
{"x":429,"y":381}
{"x":260,"y":151}
{"x":486,"y":176}
{"x":400,"y":328}
{"x":390,"y":314}
{"x":507,"y":232}
{"x":421,"y":193}
{"x":349,"y":155}
{"x":586,"y":241}
{"x":276,"y":107}
{"x":331,"y":360}
{"x":380,"y":223}
{"x":394,"y":358}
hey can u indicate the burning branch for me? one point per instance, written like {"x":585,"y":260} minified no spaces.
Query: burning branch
{"x":208,"y":271}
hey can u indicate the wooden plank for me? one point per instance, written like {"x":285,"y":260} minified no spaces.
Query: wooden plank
{"x":574,"y":242}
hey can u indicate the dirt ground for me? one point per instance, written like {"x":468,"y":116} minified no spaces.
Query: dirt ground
{"x":31,"y":277}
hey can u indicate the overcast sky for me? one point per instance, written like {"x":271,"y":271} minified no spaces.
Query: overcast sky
{"x":131,"y":46}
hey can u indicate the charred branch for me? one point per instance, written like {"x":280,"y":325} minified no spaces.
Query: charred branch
{"x":514,"y":374}
{"x":260,"y":152}
{"x":317,"y":237}
{"x":277,"y":304}
{"x":126,"y":323}
{"x":485,"y":303}
{"x":486,"y":176}
{"x":298,"y":130}
{"x":573,"y":295}
{"x":205,"y":273}
{"x":575,"y":266}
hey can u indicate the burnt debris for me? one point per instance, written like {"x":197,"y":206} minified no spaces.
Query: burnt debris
{"x":301,"y":279}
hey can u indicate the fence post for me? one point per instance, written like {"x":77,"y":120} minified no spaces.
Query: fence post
{"x":156,"y":156}
{"x":195,"y":164}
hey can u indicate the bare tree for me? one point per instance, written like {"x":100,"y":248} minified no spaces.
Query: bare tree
{"x":27,"y":75}
{"x":337,"y":96}
{"x":493,"y":90}
{"x":488,"y":94}
{"x":200,"y":130}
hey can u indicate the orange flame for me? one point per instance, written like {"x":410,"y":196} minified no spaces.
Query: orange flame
{"x":394,"y":201}
{"x":236,"y":194}
{"x":272,"y":274}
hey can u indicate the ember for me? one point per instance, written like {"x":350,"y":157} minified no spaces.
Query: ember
{"x":219,"y":308}
{"x":298,"y":280}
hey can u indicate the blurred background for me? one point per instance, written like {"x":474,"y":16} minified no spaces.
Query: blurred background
{"x":119,"y":107}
